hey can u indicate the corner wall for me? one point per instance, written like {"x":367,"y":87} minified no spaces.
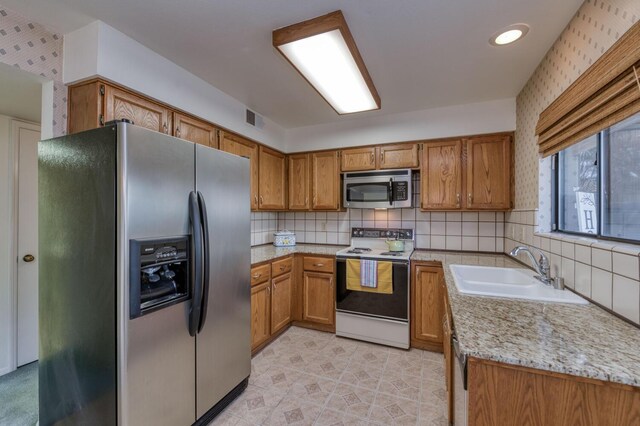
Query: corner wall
{"x":606,"y":272}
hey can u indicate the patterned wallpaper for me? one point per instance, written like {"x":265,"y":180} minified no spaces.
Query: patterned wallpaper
{"x":32,"y":47}
{"x":594,"y":28}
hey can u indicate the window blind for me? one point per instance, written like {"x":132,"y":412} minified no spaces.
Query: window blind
{"x":606,"y":93}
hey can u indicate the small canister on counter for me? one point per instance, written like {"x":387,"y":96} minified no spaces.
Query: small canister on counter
{"x":284,"y":239}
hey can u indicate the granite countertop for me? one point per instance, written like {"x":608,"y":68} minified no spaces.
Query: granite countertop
{"x":265,"y":253}
{"x":581,"y":340}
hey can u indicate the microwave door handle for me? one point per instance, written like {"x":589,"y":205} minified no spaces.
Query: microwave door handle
{"x":390,"y":191}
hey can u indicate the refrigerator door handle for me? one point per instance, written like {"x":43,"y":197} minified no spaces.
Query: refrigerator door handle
{"x":207,"y":261}
{"x":196,"y":263}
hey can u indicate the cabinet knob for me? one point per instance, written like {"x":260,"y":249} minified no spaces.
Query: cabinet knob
{"x":282,"y":268}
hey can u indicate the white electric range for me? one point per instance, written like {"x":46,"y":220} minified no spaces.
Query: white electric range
{"x":375,"y":317}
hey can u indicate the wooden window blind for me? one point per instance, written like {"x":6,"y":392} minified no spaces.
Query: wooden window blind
{"x":606,"y":93}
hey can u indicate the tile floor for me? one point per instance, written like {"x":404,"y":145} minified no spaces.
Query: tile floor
{"x":308,"y":377}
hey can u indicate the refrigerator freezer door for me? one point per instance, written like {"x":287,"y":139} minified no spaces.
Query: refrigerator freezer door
{"x":223,"y":353}
{"x":157,"y":355}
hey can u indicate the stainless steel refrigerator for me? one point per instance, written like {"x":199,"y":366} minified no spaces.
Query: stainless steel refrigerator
{"x":144,"y":278}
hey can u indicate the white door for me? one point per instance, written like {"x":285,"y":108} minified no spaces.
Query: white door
{"x":26,"y":137}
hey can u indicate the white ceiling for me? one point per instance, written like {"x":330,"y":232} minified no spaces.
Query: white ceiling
{"x":420,"y":53}
{"x":20,"y":94}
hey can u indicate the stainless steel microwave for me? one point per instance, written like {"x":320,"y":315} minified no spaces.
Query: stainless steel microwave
{"x":386,"y":189}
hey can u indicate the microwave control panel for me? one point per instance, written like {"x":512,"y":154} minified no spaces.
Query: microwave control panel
{"x":400,"y":191}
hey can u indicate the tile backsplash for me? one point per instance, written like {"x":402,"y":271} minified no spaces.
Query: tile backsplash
{"x":607,"y":272}
{"x":469,"y":231}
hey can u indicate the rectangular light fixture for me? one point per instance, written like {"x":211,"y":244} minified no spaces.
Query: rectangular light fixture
{"x":324,"y":52}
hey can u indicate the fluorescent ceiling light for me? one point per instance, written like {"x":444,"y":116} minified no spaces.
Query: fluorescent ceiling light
{"x":323,"y":51}
{"x":509,"y":34}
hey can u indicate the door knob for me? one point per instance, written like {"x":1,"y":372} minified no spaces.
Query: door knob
{"x":28,"y":258}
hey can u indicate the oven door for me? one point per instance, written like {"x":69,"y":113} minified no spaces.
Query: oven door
{"x":393,"y":306}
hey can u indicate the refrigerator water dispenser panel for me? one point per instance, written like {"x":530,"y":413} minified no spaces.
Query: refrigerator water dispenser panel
{"x":159,"y":274}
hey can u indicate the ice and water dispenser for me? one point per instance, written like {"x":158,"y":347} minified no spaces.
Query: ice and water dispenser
{"x":159,"y":274}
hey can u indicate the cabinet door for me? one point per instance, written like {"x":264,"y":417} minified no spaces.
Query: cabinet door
{"x":357,"y":159}
{"x":325,"y":181}
{"x":318,"y":293}
{"x":280,"y":302}
{"x":427,"y":309}
{"x":194,"y":130}
{"x":488,"y":172}
{"x":441,"y":174}
{"x":401,"y":156}
{"x":142,"y":112}
{"x":273,"y":179}
{"x":299,"y":182}
{"x":260,"y":313}
{"x":85,"y":107}
{"x":244,"y":148}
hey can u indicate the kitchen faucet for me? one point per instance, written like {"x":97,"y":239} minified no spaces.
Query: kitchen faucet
{"x":541,"y":266}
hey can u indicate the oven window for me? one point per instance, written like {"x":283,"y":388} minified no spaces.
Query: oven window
{"x":368,"y":191}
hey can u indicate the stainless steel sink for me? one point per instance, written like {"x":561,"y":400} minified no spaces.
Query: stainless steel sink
{"x":511,"y":283}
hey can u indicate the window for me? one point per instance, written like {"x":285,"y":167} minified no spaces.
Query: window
{"x":597,"y":182}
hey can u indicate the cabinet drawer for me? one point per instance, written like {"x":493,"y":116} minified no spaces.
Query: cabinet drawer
{"x":319,"y":264}
{"x":281,"y":267}
{"x":260,"y":274}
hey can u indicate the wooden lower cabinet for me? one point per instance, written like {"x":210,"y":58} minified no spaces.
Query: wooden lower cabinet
{"x":427,"y":306}
{"x":501,"y":394}
{"x":319,"y":292}
{"x":280,"y":302}
{"x":260,"y":314}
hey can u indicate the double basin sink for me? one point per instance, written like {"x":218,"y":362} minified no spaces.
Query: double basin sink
{"x":512,"y":283}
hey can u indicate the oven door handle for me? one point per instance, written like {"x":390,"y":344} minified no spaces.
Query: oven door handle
{"x":390,"y":191}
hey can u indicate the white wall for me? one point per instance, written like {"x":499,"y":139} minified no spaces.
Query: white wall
{"x":6,"y":241}
{"x":459,"y":120}
{"x":99,"y":49}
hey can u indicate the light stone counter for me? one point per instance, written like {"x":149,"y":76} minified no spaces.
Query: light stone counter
{"x":581,"y":340}
{"x":265,"y":253}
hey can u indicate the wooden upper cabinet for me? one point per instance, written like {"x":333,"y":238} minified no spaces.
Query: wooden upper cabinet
{"x":400,"y":156}
{"x":273,"y":180}
{"x":488,"y":172}
{"x":441,"y":175}
{"x":121,"y":104}
{"x":299,"y":173}
{"x":325,"y":181}
{"x":236,"y":145}
{"x":194,"y":130}
{"x":358,"y":159}
{"x":427,"y":310}
{"x":85,"y":107}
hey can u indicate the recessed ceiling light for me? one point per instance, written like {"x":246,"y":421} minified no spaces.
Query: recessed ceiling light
{"x":509,"y":34}
{"x":324,"y":52}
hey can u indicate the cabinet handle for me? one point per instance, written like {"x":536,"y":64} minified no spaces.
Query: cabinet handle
{"x":275,"y":286}
{"x":255,"y":197}
{"x":269,"y":289}
{"x":178,"y":131}
{"x":282,"y":268}
{"x":165,"y":129}
{"x":469,"y":198}
{"x":256,"y":276}
{"x":261,"y":200}
{"x":314,"y":200}
{"x":306,"y":201}
{"x":373,"y":158}
{"x":458,"y":199}
{"x":381,"y":157}
{"x":319,"y":265}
